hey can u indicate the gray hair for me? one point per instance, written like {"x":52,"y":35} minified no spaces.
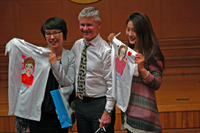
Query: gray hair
{"x":90,"y":12}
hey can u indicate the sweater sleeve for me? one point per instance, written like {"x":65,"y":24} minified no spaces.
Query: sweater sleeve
{"x":154,"y":79}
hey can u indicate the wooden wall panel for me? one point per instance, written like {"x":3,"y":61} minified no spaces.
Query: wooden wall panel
{"x":172,"y":122}
{"x":179,"y":93}
{"x":1,"y":124}
{"x":121,"y":10}
{"x":7,"y":24}
{"x":70,"y":15}
{"x":180,"y":18}
{"x":186,"y":51}
{"x":178,"y":119}
{"x":181,"y":56}
{"x":4,"y":94}
{"x":4,"y":59}
{"x":30,"y":15}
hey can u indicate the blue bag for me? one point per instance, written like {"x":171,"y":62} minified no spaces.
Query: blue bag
{"x":64,"y":111}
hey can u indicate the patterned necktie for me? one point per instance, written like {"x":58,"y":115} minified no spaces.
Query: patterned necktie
{"x":82,"y":73}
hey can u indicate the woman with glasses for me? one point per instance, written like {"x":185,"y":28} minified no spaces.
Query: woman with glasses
{"x":61,"y":73}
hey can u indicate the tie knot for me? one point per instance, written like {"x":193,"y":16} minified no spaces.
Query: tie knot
{"x":87,"y":45}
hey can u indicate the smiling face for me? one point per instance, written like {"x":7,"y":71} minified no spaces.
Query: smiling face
{"x":131,"y":34}
{"x":54,"y":38}
{"x":89,"y":28}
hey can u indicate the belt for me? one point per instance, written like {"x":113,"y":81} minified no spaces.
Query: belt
{"x":90,"y":99}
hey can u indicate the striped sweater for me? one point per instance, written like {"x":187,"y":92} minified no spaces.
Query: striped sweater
{"x":142,"y":114}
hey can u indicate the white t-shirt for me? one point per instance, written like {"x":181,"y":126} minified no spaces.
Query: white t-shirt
{"x":25,"y":98}
{"x":122,"y":73}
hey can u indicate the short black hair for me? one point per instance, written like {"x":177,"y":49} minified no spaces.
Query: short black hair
{"x":55,"y":23}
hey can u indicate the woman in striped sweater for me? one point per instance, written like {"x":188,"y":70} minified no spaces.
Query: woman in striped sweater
{"x":142,"y":114}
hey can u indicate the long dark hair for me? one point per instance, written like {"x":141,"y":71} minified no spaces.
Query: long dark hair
{"x":147,"y":43}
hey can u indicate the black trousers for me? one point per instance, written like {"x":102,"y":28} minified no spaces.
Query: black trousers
{"x":49,"y":123}
{"x":88,"y":113}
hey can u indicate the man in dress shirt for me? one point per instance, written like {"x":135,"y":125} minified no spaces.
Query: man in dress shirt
{"x":96,"y":109}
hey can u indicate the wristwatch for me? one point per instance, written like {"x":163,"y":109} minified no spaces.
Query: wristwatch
{"x":108,"y":111}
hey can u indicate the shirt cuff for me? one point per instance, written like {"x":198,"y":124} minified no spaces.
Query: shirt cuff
{"x":110,"y":105}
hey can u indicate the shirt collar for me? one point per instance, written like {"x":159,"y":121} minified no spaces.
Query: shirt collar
{"x":95,"y":40}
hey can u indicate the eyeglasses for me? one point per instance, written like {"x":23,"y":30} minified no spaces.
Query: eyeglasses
{"x":55,"y":33}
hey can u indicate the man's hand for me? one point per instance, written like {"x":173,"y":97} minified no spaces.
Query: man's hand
{"x":105,"y":120}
